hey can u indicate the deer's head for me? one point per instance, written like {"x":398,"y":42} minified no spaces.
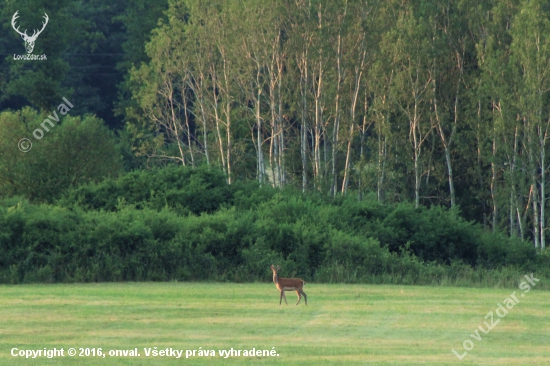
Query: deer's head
{"x":29,"y":40}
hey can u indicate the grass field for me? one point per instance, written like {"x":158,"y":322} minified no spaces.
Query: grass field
{"x":342,"y":324}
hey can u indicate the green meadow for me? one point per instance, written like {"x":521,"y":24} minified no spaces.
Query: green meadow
{"x":342,"y":324}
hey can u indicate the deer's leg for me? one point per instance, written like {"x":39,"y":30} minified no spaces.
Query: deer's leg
{"x":305,"y":296}
{"x":283,"y":296}
{"x":299,"y":296}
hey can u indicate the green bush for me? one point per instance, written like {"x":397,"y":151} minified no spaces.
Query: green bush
{"x":496,"y":250}
{"x":184,"y":190}
{"x":173,"y":224}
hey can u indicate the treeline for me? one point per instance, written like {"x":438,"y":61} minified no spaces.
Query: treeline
{"x":431,"y":102}
{"x":75,"y":151}
{"x":146,"y":226}
{"x":89,"y":46}
{"x":438,"y":102}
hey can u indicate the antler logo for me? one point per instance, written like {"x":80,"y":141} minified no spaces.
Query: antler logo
{"x":29,"y":40}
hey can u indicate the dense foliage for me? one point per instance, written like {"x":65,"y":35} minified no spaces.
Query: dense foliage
{"x":135,"y":228}
{"x":438,"y":102}
{"x":75,"y":151}
{"x":346,"y":140}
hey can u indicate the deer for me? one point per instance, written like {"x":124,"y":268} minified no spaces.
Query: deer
{"x":29,"y":41}
{"x":288,"y":284}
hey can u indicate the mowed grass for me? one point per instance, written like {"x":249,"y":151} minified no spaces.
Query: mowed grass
{"x":342,"y":324}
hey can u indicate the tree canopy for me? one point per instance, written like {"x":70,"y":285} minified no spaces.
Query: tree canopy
{"x":432,"y":102}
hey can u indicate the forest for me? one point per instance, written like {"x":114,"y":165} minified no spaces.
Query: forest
{"x":394,"y":132}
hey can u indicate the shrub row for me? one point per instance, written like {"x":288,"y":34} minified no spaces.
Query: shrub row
{"x":183,"y":190}
{"x":347,"y":241}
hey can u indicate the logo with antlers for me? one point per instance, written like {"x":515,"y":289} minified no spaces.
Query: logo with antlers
{"x":29,"y":40}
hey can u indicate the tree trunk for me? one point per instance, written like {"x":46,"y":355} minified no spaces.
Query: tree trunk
{"x":303,"y":132}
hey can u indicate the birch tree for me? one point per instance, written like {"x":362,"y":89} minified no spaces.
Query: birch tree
{"x":531,"y":53}
{"x":410,"y":51}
